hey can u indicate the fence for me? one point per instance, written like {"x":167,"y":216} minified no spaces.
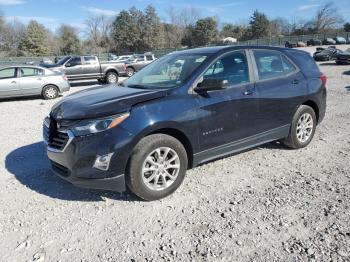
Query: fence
{"x":273,"y":41}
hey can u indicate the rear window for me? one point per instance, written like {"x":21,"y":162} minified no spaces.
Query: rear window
{"x":305,"y":62}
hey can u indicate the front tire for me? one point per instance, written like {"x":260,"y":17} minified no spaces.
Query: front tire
{"x":157,"y":167}
{"x":50,"y":92}
{"x":302,"y":129}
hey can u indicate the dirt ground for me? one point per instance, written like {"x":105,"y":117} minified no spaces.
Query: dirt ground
{"x":266,"y":204}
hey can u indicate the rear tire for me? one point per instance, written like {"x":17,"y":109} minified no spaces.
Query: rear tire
{"x":50,"y":92}
{"x":302,"y":129}
{"x":157,"y":167}
{"x":130,"y":71}
{"x":111,"y":78}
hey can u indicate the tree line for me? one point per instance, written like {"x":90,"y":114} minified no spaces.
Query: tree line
{"x":137,"y":30}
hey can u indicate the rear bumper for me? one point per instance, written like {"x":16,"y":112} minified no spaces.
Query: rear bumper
{"x":65,"y":87}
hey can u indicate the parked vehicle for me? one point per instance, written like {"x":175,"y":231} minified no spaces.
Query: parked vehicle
{"x":137,"y":62}
{"x":18,"y":81}
{"x":149,"y":131}
{"x":122,"y":59}
{"x":301,"y":44}
{"x":46,"y":60}
{"x":348,"y":40}
{"x":290,"y":44}
{"x":88,"y":67}
{"x":327,"y":54}
{"x":329,"y":41}
{"x":314,"y":42}
{"x":340,"y":40}
{"x":343,"y":58}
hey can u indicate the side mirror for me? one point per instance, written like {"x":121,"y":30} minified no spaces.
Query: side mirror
{"x":211,"y":84}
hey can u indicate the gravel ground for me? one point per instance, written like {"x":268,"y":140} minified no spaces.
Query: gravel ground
{"x":266,"y":204}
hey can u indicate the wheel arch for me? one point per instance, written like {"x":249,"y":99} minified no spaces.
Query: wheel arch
{"x":113,"y":70}
{"x":49,"y":84}
{"x":314,"y":106}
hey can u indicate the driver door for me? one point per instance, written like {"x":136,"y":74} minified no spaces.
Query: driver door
{"x":74,"y":68}
{"x":229,"y":115}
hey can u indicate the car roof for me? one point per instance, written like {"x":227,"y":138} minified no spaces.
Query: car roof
{"x":220,"y":49}
{"x":28,"y":66}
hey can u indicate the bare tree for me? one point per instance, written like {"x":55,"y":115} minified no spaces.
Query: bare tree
{"x":98,"y":30}
{"x":327,"y":17}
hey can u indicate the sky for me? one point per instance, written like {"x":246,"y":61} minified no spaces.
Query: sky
{"x":52,"y":13}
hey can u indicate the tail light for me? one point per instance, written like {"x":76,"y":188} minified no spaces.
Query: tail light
{"x":65,"y":78}
{"x":323,"y":78}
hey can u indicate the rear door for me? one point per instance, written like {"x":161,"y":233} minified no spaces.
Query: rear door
{"x":31,"y":80}
{"x":91,"y":67}
{"x":9,"y":84}
{"x":281,"y":87}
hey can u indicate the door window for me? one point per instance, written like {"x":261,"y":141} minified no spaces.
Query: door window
{"x":90,"y":60}
{"x":8,"y":73}
{"x":74,"y":61}
{"x":29,"y":71}
{"x":149,"y":58}
{"x":272,"y":64}
{"x":232,"y":67}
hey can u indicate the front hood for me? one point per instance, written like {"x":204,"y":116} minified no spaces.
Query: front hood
{"x":101,"y":101}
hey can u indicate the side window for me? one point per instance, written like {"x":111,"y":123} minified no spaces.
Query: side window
{"x":29,"y":71}
{"x":149,"y":58}
{"x":90,"y":60}
{"x":8,"y":73}
{"x":232,"y":67}
{"x":141,"y":59}
{"x":75,"y":61}
{"x":272,"y":64}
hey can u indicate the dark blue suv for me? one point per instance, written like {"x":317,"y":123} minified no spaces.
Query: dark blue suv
{"x":184,"y":109}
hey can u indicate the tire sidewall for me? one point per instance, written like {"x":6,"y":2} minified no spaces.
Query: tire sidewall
{"x":44,"y":92}
{"x":134,"y":175}
{"x":130,"y":71}
{"x":302,"y":110}
{"x":107,"y":78}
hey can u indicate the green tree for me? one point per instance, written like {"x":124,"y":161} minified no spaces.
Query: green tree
{"x":347,"y":27}
{"x":35,"y":41}
{"x":231,"y":30}
{"x":205,"y":31}
{"x":69,"y":41}
{"x":259,"y":25}
{"x":152,"y":29}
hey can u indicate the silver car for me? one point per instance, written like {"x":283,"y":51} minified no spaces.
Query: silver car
{"x":31,"y":80}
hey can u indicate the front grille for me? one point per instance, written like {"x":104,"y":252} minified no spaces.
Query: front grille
{"x":62,"y":170}
{"x":55,"y":139}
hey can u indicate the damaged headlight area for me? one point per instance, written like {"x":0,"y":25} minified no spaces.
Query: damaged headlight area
{"x":87,"y":127}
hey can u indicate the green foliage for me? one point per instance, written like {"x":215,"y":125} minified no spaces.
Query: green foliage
{"x":259,"y":25}
{"x":135,"y":30}
{"x":347,"y":27}
{"x":35,"y":41}
{"x":68,"y":40}
{"x":204,"y":32}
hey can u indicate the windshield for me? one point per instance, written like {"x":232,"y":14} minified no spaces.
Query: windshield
{"x":169,"y":71}
{"x":63,"y":60}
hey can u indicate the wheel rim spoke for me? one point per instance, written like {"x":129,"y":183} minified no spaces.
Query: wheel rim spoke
{"x":304,"y":127}
{"x":161,"y":168}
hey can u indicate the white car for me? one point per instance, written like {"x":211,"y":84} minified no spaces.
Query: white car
{"x":26,"y":80}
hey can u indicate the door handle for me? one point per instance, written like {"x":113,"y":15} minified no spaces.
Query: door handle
{"x":295,"y":82}
{"x":39,"y":79}
{"x":248,"y":93}
{"x":13,"y":82}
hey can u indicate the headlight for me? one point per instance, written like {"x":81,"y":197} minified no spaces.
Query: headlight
{"x":87,"y":127}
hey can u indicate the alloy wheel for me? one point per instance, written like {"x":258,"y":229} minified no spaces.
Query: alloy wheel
{"x":51,"y":92}
{"x":305,"y":127}
{"x":160,"y":168}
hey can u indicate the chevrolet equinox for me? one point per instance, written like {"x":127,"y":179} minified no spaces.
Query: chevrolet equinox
{"x":182,"y":110}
